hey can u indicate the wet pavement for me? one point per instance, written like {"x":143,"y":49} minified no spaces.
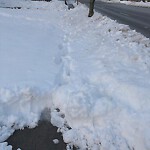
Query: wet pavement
{"x":38,"y":138}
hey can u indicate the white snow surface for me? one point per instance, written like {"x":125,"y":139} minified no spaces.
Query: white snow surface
{"x":94,"y":70}
{"x":140,"y":4}
{"x":133,"y":3}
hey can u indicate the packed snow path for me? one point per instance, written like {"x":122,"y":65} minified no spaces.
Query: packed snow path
{"x":95,"y":71}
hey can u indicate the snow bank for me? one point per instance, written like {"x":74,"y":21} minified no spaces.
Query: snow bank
{"x":4,"y":146}
{"x":140,"y":4}
{"x":30,"y":47}
{"x":93,"y":73}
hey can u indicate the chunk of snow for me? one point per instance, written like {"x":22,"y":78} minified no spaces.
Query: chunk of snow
{"x":56,"y":141}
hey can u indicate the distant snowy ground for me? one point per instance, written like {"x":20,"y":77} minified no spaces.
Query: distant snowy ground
{"x":12,"y":3}
{"x":140,"y":4}
{"x":94,"y":70}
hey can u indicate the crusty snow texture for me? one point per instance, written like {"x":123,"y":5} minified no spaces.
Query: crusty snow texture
{"x":92,"y":73}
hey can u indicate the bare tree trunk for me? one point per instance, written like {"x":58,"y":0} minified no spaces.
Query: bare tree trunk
{"x":91,"y":11}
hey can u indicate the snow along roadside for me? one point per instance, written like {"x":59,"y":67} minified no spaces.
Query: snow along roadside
{"x":102,"y":83}
{"x":105,"y":82}
{"x":138,"y":4}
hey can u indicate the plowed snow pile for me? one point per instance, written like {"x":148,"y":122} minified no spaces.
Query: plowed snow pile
{"x":92,"y":73}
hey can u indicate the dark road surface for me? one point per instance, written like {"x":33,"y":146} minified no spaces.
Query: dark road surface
{"x":38,"y":138}
{"x":138,"y":18}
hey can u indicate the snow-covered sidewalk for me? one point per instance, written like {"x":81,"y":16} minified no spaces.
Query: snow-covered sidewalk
{"x":94,"y":70}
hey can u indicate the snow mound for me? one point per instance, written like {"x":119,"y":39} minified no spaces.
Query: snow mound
{"x":140,"y":4}
{"x":92,"y":75}
{"x":5,"y":146}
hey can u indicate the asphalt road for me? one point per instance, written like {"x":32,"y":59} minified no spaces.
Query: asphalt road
{"x":138,"y":18}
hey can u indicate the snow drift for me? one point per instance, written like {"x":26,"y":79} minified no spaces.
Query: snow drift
{"x":93,"y":73}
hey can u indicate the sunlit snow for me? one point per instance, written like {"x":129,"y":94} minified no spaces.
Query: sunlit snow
{"x":95,"y":71}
